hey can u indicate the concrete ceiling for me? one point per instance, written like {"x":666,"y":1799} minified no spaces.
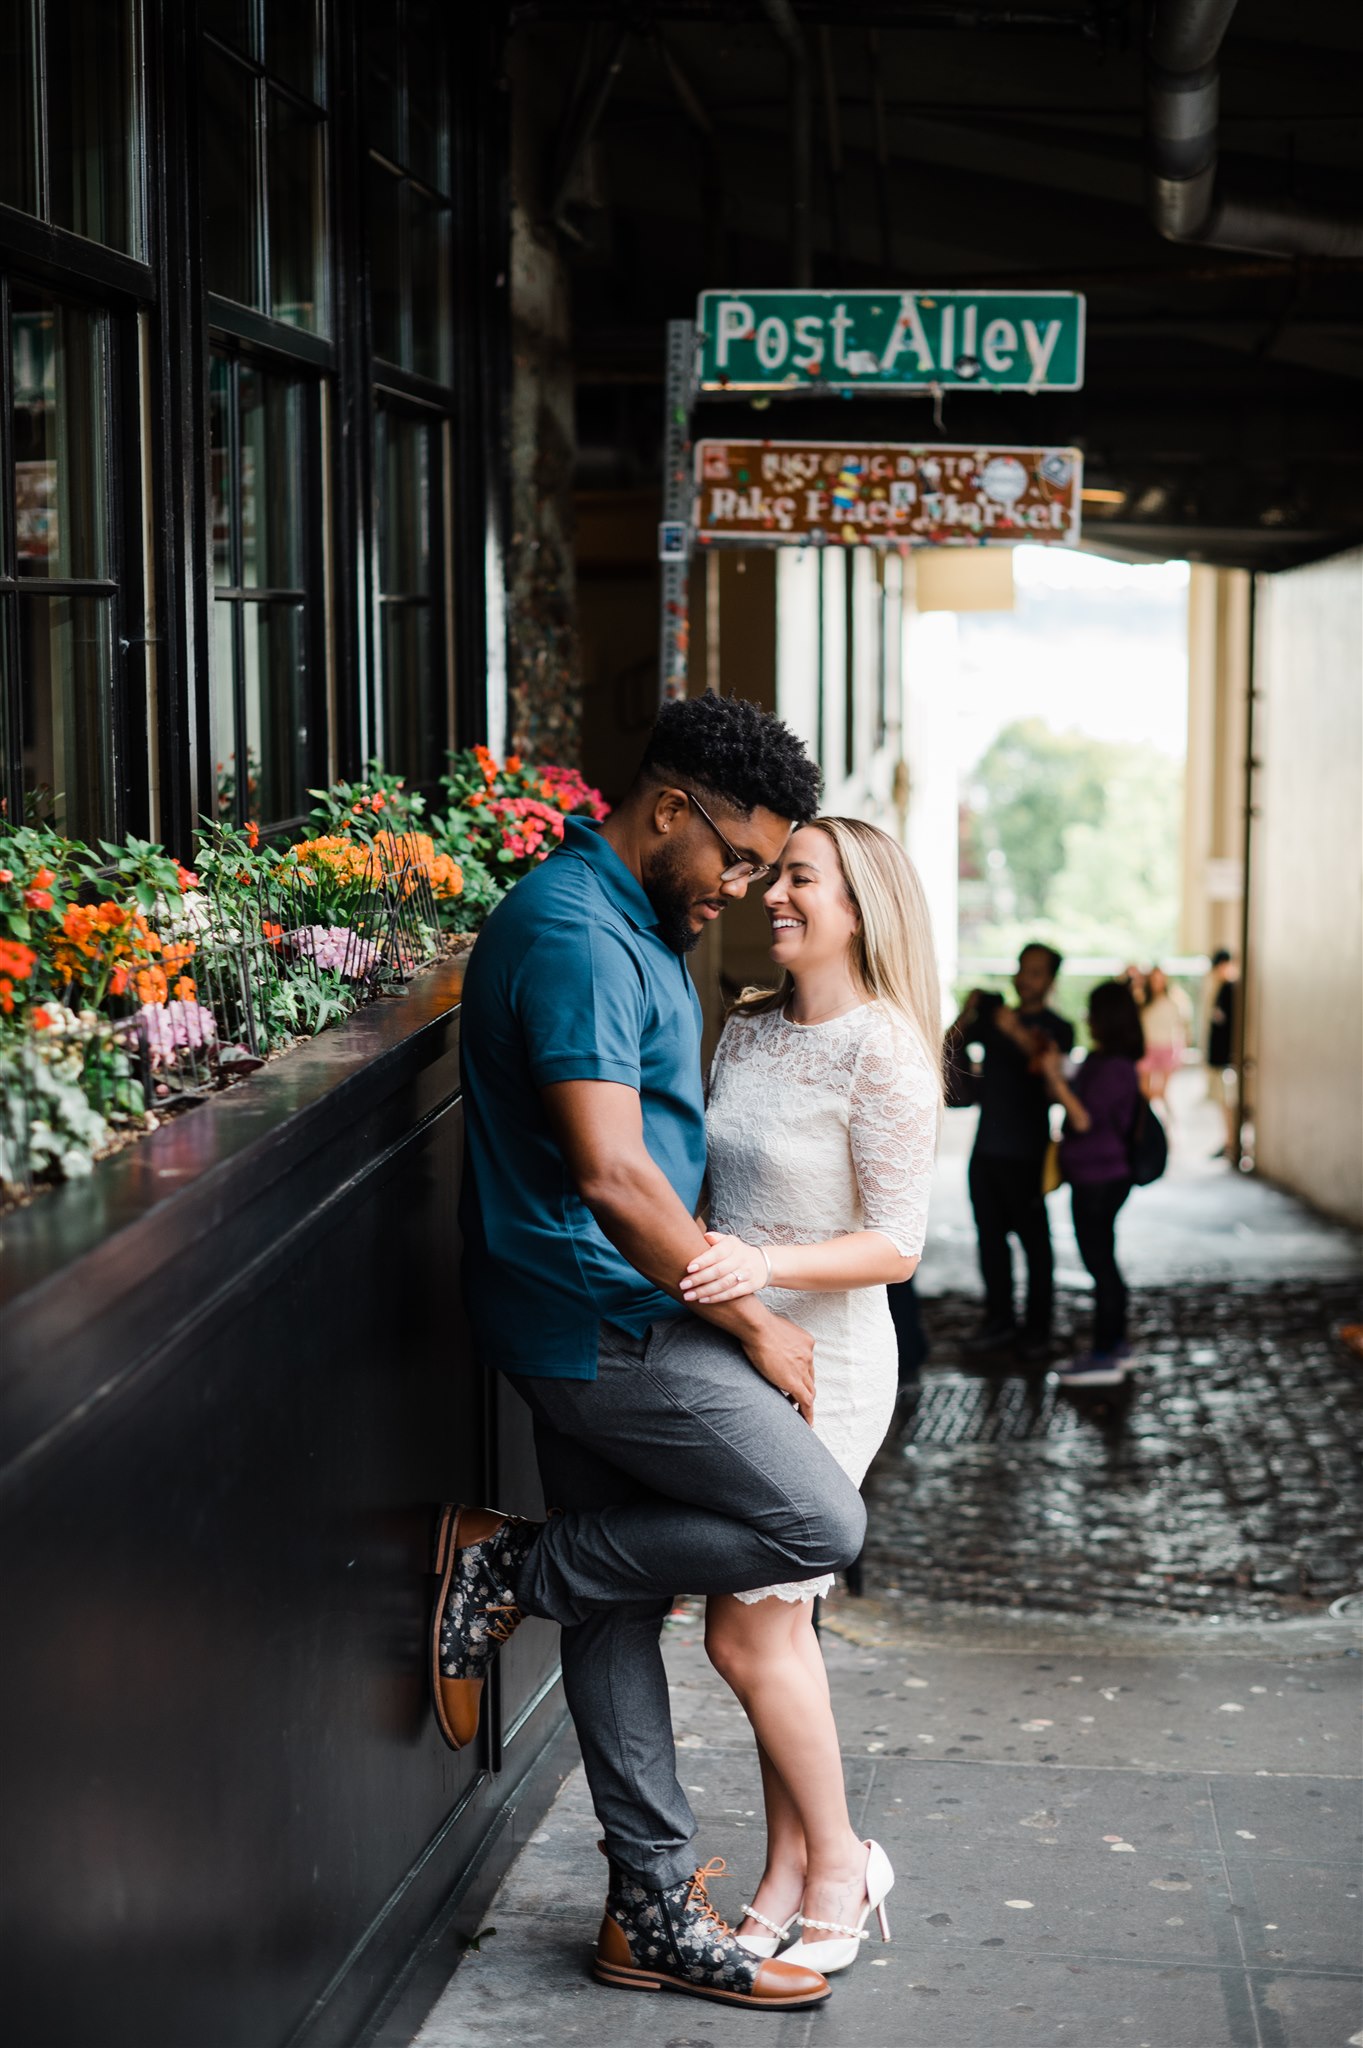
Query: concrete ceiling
{"x":973,"y":144}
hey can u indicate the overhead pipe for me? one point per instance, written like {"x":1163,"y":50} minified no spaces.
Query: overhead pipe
{"x":782,"y":18}
{"x":1182,"y":98}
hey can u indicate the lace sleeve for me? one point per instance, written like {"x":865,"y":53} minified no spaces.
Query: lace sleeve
{"x":893,"y":1128}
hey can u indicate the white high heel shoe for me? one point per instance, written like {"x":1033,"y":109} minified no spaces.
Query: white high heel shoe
{"x":840,"y":1953}
{"x":762,"y":1944}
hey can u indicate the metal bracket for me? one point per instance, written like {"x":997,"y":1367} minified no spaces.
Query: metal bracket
{"x":675,"y":625}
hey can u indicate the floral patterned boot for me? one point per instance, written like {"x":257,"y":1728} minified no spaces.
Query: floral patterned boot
{"x":674,"y":1940}
{"x":478,"y":1553}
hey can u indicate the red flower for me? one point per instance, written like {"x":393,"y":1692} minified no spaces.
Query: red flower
{"x":43,"y":1020}
{"x":186,"y":877}
{"x":6,"y":875}
{"x":37,"y":899}
{"x":252,"y":834}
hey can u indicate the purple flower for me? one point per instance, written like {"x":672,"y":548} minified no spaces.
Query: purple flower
{"x":334,"y":946}
{"x":173,"y":1026}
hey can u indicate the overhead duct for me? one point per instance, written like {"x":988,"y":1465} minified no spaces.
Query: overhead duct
{"x":1182,"y":123}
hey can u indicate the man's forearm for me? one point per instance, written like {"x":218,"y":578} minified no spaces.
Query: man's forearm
{"x":642,"y":1215}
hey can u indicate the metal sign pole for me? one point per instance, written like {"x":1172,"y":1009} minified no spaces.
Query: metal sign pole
{"x":674,"y":536}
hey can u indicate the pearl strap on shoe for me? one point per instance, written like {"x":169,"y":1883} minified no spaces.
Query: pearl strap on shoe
{"x":751,"y":1913}
{"x":832,"y":1927}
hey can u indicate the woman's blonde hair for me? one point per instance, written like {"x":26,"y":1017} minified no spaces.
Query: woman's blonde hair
{"x":893,"y":957}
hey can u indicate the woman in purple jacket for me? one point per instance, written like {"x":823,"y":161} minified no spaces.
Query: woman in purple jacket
{"x":1101,"y":1103}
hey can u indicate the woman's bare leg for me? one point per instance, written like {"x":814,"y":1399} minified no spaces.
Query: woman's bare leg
{"x":768,"y":1654}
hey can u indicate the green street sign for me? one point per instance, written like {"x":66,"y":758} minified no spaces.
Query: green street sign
{"x":890,"y":341}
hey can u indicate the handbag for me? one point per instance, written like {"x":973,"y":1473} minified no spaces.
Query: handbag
{"x":1147,"y":1148}
{"x":1051,"y":1176}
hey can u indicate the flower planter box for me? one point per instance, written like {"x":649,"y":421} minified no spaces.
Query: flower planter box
{"x":234,"y":1382}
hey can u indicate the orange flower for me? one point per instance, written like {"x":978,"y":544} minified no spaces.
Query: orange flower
{"x":186,"y":989}
{"x":41,"y":1019}
{"x":186,"y":878}
{"x":252,"y":834}
{"x":178,"y":954}
{"x":6,"y":875}
{"x":151,"y":985}
{"x":513,"y":764}
{"x":6,"y":995}
{"x":16,"y":959}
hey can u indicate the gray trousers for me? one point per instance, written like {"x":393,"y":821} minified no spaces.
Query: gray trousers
{"x":678,"y":1469}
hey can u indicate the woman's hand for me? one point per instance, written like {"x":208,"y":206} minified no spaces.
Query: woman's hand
{"x":1052,"y":1063}
{"x":729,"y":1269}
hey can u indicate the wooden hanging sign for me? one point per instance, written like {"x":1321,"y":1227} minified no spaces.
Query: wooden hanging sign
{"x":845,"y":493}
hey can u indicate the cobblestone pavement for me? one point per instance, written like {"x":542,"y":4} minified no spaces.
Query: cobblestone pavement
{"x":1226,"y":1478}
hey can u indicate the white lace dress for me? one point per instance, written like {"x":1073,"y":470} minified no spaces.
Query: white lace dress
{"x":813,"y":1131}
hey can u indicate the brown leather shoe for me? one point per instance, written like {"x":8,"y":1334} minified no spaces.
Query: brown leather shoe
{"x":478,"y":1552}
{"x":674,"y":1940}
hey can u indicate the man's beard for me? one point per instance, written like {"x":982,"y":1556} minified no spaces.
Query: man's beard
{"x":667,"y":889}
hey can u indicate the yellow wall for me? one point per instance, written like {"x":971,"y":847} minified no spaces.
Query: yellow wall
{"x":1305,"y":1011}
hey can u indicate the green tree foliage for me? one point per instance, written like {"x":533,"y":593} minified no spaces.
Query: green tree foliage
{"x":1076,"y":841}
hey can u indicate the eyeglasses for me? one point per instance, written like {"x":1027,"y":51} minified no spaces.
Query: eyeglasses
{"x":740,"y":868}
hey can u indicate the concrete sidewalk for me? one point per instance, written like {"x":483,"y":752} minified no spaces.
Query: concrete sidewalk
{"x":1100,"y":1839}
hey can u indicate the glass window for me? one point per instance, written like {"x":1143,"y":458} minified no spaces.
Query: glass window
{"x":18,"y":110}
{"x":66,"y":712}
{"x":414,"y":692}
{"x":407,"y":130}
{"x":69,"y":96}
{"x":293,"y":47}
{"x":91,"y":129}
{"x":58,"y":598}
{"x":231,"y":199}
{"x":295,"y":209}
{"x":57,"y":353}
{"x":262,"y":427}
{"x":264,"y":166}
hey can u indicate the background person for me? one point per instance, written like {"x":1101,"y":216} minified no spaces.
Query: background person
{"x":1101,"y":1102}
{"x":1218,"y":1024}
{"x":1166,"y":1022}
{"x":1010,"y":1150}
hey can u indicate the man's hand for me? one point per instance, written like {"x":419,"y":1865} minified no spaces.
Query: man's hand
{"x":784,"y":1354}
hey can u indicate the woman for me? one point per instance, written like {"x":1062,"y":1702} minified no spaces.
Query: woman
{"x":1101,"y":1105}
{"x":822,"y":1123}
{"x":1165,"y":1023}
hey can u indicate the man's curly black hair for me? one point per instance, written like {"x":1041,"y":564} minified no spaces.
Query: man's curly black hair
{"x":734,"y":751}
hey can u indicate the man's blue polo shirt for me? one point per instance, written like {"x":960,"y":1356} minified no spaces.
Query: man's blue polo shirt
{"x":569,"y":981}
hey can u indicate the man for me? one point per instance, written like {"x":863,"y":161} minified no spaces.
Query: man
{"x":1218,"y":1011}
{"x":673,"y":1445}
{"x":1007,"y":1163}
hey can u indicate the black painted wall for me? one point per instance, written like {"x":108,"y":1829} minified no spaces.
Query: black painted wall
{"x":234,"y":1383}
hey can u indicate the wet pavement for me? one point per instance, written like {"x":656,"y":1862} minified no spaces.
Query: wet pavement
{"x":1101,"y":1695}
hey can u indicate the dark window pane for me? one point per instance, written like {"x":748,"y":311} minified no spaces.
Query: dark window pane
{"x":386,"y":194}
{"x":231,"y":201}
{"x":426,"y":69}
{"x":66,"y":712}
{"x":18,"y":107}
{"x":382,"y":80}
{"x":296,"y":225}
{"x":405,"y":507}
{"x":271,"y":481}
{"x":226,"y":621}
{"x":430,"y":288}
{"x":234,"y":21}
{"x":276,"y":718}
{"x":60,"y":483}
{"x":220,"y":465}
{"x":93,"y":147}
{"x":292,"y":45}
{"x":412,"y":720}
